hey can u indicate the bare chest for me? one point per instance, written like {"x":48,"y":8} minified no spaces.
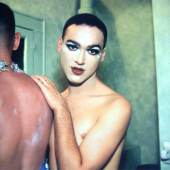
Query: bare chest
{"x":85,"y":113}
{"x":84,"y":119}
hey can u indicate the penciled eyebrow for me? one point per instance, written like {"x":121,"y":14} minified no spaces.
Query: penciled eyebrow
{"x":89,"y":47}
{"x":73,"y":42}
{"x":94,"y":46}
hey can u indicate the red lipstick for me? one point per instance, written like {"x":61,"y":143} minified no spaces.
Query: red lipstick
{"x":77,"y":71}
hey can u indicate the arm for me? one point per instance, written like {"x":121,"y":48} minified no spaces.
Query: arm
{"x":52,"y":155}
{"x":101,"y":141}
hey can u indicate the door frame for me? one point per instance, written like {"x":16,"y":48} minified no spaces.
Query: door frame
{"x":33,"y":31}
{"x":161,"y":24}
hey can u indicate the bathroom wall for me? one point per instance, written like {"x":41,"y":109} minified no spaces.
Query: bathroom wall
{"x":54,"y":13}
{"x":129,"y":68}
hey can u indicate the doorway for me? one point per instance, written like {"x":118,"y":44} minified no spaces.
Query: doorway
{"x":30,"y":55}
{"x":18,"y":55}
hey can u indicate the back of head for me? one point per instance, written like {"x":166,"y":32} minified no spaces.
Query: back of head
{"x":87,"y":19}
{"x":7,"y":26}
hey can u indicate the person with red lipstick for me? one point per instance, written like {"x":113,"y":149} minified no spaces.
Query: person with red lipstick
{"x":90,"y":119}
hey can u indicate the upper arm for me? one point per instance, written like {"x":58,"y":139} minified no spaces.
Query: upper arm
{"x":104,"y":138}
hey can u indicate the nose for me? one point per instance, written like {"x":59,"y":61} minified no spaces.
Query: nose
{"x":80,"y":60}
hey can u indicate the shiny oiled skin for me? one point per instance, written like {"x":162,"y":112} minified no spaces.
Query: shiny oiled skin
{"x":25,"y":122}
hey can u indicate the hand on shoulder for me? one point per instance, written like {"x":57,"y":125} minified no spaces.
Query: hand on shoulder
{"x":50,"y":91}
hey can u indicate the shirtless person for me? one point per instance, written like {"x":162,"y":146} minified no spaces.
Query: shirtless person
{"x":90,"y":119}
{"x":25,"y":118}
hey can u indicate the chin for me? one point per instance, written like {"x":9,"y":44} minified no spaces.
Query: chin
{"x":76,"y":82}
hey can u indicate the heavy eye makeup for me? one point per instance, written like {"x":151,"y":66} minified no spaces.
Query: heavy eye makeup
{"x":94,"y":50}
{"x":72,"y":46}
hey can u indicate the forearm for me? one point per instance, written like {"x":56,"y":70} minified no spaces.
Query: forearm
{"x":52,"y":160}
{"x":52,"y":155}
{"x":69,"y":156}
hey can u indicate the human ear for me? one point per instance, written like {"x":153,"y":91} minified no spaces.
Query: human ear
{"x":16,"y":41}
{"x":59,"y":44}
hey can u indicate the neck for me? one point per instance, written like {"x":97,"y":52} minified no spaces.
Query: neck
{"x":85,"y":89}
{"x":5,"y":56}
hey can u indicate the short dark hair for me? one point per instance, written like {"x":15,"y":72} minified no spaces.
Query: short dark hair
{"x":7,"y":25}
{"x":87,"y":19}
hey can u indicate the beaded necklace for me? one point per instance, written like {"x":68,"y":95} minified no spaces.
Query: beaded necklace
{"x":5,"y":67}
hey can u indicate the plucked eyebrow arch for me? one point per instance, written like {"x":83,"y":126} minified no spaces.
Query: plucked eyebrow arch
{"x":94,"y":46}
{"x":74,"y":42}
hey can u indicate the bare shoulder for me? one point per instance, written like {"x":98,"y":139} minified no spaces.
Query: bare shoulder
{"x":24,"y":81}
{"x":120,"y":104}
{"x":13,"y":78}
{"x":115,"y":105}
{"x":21,"y":82}
{"x":20,"y":88}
